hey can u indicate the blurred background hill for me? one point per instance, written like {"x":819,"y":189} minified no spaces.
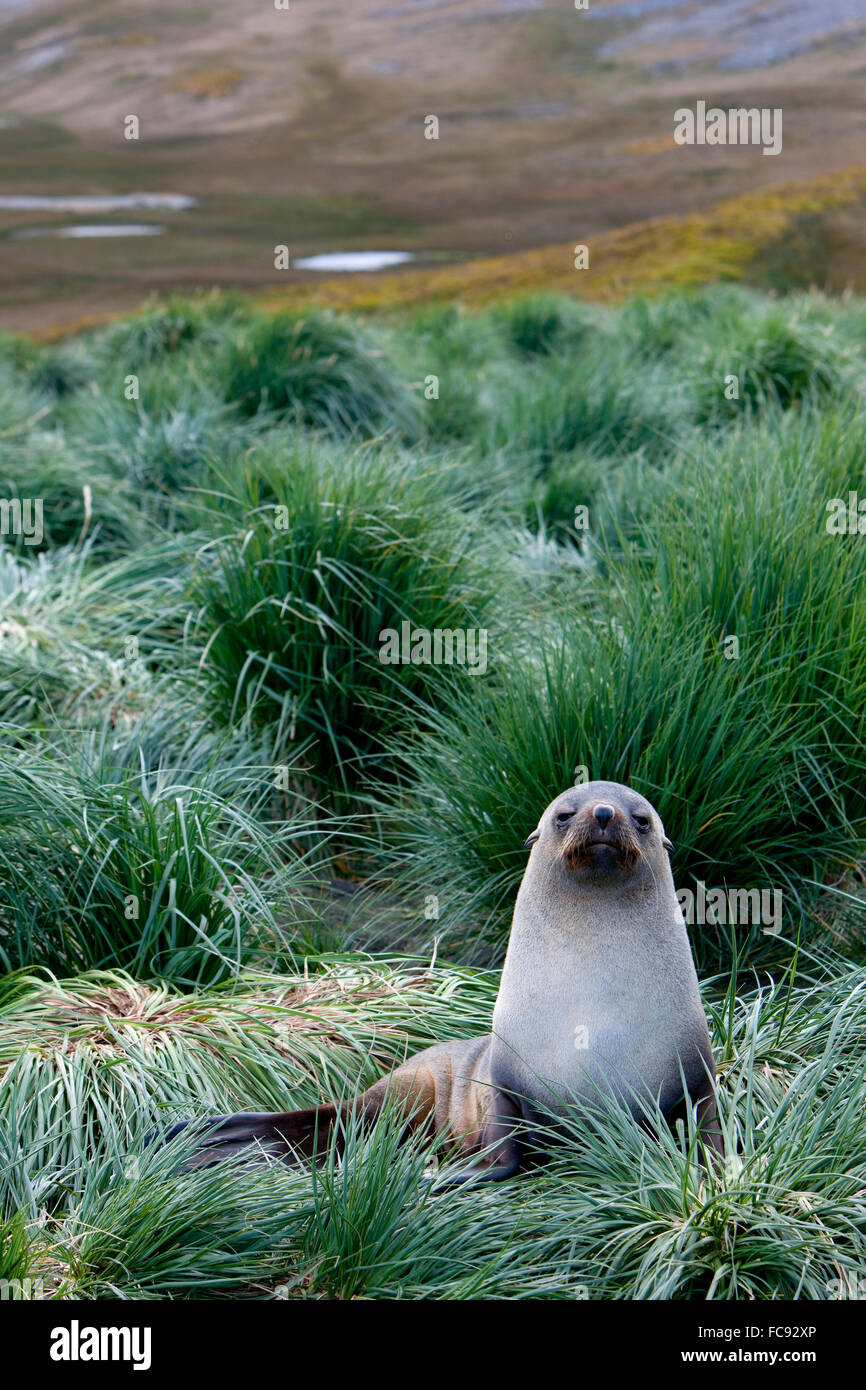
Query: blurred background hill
{"x":306,"y":127}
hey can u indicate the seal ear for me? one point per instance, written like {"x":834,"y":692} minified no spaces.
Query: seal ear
{"x":667,"y":844}
{"x":530,"y":839}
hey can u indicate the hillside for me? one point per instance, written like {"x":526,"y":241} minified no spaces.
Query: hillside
{"x":306,"y":128}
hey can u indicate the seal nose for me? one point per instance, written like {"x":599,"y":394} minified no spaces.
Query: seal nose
{"x":603,"y":814}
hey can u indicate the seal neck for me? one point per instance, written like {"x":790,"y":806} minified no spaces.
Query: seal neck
{"x":550,"y":904}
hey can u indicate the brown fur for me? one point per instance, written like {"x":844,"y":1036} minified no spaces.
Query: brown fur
{"x":444,"y":1090}
{"x":583,"y":837}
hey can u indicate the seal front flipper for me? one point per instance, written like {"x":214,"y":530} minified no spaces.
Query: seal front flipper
{"x":498,"y":1149}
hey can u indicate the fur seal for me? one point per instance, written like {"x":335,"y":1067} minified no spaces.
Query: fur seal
{"x":598,"y":1002}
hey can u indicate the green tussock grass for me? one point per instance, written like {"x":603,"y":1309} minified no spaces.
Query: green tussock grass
{"x":316,"y":369}
{"x":244,"y":864}
{"x":168,"y":865}
{"x":613,"y":1216}
{"x":325,"y":555}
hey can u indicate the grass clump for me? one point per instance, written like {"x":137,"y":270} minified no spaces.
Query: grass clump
{"x":768,"y":357}
{"x":76,"y":633}
{"x":169,"y":330}
{"x":79,"y":498}
{"x":171,"y":875}
{"x":325,"y":558}
{"x":542,"y":325}
{"x":597,"y":399}
{"x":316,"y":370}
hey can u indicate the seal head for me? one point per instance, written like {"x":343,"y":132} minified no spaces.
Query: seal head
{"x":598,"y":833}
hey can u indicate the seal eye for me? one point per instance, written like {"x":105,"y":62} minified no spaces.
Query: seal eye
{"x":642,"y":822}
{"x":562,"y":818}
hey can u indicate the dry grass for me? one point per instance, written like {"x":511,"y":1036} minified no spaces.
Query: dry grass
{"x":208,"y":82}
{"x":647,"y":257}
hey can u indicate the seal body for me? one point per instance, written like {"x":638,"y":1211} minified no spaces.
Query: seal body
{"x":598,"y":1004}
{"x":599,"y":997}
